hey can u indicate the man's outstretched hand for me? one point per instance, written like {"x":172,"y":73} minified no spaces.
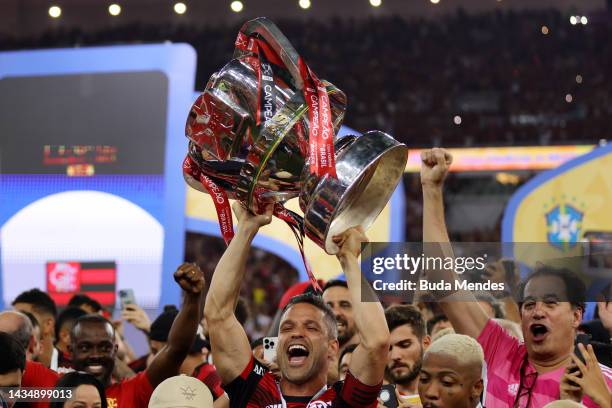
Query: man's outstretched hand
{"x":190,"y":278}
{"x":350,"y":242}
{"x":434,"y":166}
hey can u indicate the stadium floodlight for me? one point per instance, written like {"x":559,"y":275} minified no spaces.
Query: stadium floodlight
{"x":236,"y":6}
{"x":55,"y":11}
{"x":305,"y":4}
{"x":573,"y":20}
{"x":114,"y":9}
{"x":584,"y":20}
{"x":180,"y":8}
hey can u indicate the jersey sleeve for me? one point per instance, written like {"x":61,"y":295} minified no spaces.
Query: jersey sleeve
{"x":355,"y":394}
{"x":141,"y":389}
{"x":243,"y":387}
{"x":499,"y":347}
{"x":208,"y":375}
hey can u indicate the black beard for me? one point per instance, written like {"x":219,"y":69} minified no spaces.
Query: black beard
{"x":408,"y":377}
{"x":345,"y":337}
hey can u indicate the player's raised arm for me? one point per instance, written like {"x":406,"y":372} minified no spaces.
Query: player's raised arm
{"x":370,"y":356}
{"x":230,"y":346}
{"x":183,"y":331}
{"x":466,"y":315}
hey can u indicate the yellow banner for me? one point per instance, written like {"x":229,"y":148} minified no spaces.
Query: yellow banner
{"x":558,"y":206}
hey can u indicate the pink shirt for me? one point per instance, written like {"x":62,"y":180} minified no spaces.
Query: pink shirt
{"x":504,"y":356}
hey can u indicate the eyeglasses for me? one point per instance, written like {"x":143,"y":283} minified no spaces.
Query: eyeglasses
{"x":528,"y":380}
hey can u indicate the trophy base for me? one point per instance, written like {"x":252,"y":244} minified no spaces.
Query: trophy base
{"x":368,"y":169}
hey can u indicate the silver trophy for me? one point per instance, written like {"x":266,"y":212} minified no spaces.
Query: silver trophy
{"x":266,"y":161}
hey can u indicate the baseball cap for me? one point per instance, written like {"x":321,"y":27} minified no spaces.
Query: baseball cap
{"x":181,"y":391}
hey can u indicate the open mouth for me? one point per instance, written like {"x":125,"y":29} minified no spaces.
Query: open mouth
{"x":539,"y":332}
{"x":297,"y":354}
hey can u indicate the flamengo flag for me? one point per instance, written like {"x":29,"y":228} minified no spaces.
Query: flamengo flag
{"x":94,"y":279}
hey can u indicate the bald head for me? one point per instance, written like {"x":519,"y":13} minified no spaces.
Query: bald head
{"x":17,"y":325}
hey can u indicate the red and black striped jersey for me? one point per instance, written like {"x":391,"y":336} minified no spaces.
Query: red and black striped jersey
{"x":257,"y":388}
{"x":207,"y":373}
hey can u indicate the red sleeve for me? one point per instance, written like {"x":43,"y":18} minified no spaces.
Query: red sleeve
{"x":134,"y":392}
{"x":356,"y":394}
{"x":243,"y":387}
{"x":37,"y":375}
{"x":144,"y":389}
{"x":207,"y":373}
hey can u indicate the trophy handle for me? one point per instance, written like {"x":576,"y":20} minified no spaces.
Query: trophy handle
{"x":277,"y":41}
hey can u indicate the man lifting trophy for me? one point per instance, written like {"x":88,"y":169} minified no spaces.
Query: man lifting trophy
{"x":264,"y":131}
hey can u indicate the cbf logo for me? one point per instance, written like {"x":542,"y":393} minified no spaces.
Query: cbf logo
{"x":564,"y":224}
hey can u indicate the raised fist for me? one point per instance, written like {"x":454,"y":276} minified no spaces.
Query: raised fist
{"x":190,"y":278}
{"x":434,"y":166}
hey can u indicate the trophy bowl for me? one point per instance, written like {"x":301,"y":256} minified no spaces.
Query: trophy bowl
{"x":252,"y":136}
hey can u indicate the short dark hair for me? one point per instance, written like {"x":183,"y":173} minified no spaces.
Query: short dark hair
{"x":348,"y":349}
{"x":33,"y":319}
{"x":81,"y":299}
{"x":72,"y":380}
{"x":316,"y":301}
{"x":67,"y":317}
{"x":335,"y":282}
{"x":256,"y":343}
{"x":435,"y":320}
{"x":574,"y":287}
{"x":91,"y":318}
{"x":13,"y":356}
{"x":40,"y":301}
{"x":399,"y":315}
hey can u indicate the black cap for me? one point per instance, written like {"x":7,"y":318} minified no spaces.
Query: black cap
{"x":160,"y":328}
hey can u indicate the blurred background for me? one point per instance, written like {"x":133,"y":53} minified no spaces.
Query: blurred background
{"x":519,"y":88}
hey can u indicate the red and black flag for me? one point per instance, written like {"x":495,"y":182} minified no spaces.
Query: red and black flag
{"x":95,"y":279}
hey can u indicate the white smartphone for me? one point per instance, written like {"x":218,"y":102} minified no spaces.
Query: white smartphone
{"x":269,"y":345}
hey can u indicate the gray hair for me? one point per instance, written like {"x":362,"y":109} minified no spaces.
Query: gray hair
{"x":23,"y":332}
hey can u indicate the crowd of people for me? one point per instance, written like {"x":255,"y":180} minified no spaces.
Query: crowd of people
{"x":499,"y":72}
{"x":338,"y":346}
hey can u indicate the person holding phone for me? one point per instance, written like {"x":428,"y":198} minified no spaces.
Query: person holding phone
{"x":307,"y":338}
{"x":551,"y":306}
{"x":585,"y":377}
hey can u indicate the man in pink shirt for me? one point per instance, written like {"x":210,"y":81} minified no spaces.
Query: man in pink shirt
{"x":518,"y":375}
